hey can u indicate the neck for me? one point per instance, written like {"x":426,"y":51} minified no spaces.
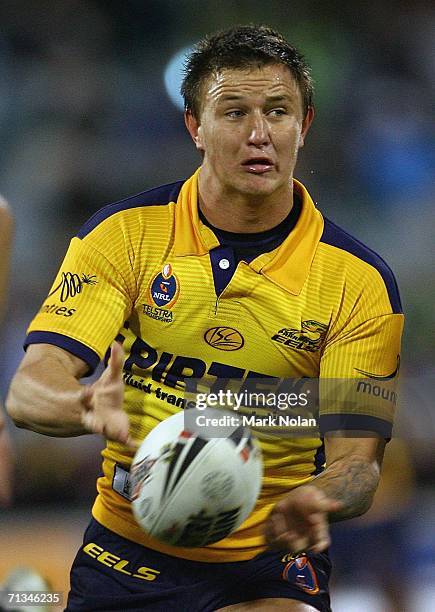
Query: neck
{"x":232,"y":211}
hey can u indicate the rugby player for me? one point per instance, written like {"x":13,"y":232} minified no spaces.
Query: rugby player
{"x":237,"y":252}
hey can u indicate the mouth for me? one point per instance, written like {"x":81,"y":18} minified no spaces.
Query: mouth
{"x":258,"y":165}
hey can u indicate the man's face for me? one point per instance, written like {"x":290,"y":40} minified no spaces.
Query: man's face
{"x":251,"y":128}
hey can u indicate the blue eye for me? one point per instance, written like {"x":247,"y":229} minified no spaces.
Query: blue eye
{"x":278,"y":112}
{"x":234,"y":113}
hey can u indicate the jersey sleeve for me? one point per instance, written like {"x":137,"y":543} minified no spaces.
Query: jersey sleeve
{"x":360,"y":364}
{"x":89,"y":301}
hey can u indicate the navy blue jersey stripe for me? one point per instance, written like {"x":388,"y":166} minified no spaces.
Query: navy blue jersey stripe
{"x":335,"y":236}
{"x":160,"y":196}
{"x":69,"y":344}
{"x":354,"y":422}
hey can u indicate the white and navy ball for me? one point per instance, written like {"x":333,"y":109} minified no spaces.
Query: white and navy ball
{"x":189,"y":489}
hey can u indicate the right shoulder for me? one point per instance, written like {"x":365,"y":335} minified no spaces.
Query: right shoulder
{"x":133,"y":207}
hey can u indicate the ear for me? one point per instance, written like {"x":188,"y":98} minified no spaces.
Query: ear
{"x":194,"y":129}
{"x":306,"y":123}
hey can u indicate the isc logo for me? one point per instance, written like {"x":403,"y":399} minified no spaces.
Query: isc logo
{"x":224,"y":338}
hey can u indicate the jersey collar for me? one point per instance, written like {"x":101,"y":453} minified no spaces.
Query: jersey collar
{"x":287,"y":266}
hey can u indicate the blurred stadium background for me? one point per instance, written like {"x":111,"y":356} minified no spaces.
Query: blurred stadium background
{"x":86,"y":118}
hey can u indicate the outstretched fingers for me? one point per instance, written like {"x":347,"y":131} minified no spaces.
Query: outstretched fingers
{"x":300,"y":521}
{"x":102,"y":402}
{"x":116,"y":362}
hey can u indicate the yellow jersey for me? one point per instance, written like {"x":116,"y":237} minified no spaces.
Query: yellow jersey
{"x":146,"y":270}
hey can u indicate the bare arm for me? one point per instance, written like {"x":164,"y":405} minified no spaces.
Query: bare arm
{"x":352,"y":473}
{"x":344,"y":490}
{"x":45,"y":395}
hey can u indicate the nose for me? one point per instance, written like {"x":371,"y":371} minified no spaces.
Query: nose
{"x":259,"y":135}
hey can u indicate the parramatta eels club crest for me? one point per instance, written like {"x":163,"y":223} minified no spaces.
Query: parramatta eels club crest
{"x":164,"y":288}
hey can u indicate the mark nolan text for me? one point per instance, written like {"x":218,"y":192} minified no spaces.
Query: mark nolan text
{"x":253,"y":420}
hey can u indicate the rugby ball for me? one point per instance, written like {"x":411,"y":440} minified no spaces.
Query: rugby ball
{"x":191,"y":489}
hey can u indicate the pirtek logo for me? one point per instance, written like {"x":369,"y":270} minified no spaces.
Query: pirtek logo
{"x":224,"y":338}
{"x":174,"y":370}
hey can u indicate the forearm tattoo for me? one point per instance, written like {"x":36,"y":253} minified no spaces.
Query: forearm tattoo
{"x":353,"y":482}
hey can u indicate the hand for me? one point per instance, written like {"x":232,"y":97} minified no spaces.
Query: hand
{"x":299,"y":522}
{"x":103,"y":400}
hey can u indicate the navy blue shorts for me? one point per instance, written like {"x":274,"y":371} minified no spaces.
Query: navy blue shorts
{"x":112,"y":573}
